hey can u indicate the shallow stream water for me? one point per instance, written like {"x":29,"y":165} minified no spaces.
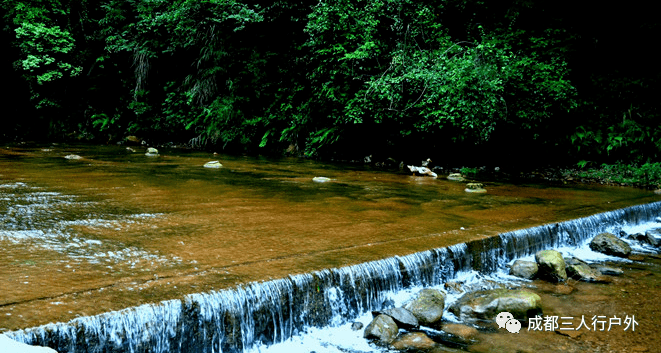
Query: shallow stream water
{"x":117,"y":229}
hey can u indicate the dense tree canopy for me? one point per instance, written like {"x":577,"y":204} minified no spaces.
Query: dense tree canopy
{"x":337,"y":76}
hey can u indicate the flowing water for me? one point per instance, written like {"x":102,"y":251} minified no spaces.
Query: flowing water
{"x":182,"y":250}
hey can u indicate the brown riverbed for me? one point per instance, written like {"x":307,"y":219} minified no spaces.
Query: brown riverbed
{"x":178,"y":228}
{"x":634,"y":294}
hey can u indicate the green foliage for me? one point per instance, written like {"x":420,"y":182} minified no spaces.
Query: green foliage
{"x":47,"y":50}
{"x":264,"y":75}
{"x":646,"y":175}
{"x":469,"y":171}
{"x":635,"y":138}
{"x":394,"y":63}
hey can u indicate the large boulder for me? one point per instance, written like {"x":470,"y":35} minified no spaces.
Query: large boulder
{"x":551,"y":266}
{"x":402,"y":317}
{"x":382,"y":329}
{"x":8,"y":345}
{"x":609,"y":244}
{"x":427,"y":306}
{"x":489,"y":303}
{"x":524,"y":269}
{"x":413,"y":341}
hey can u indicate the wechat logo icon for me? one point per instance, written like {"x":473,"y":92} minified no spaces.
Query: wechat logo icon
{"x":507,"y":321}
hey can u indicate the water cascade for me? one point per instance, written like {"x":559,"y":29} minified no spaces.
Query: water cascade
{"x":269,"y":312}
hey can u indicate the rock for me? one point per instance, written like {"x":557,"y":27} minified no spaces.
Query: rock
{"x":321,"y":179}
{"x":422,"y":171}
{"x":212,"y":164}
{"x":8,"y":345}
{"x":151,"y":152}
{"x":580,"y":270}
{"x":383,"y":329}
{"x":413,"y":341}
{"x":72,"y":156}
{"x":454,"y":287}
{"x":427,"y":306}
{"x":355,"y":326}
{"x":609,"y":244}
{"x":130,"y":149}
{"x":463,"y":331}
{"x":649,"y":239}
{"x":551,"y":266}
{"x":475,"y":187}
{"x":455,"y":177}
{"x":134,"y":140}
{"x":489,"y":303}
{"x":402,"y":317}
{"x":609,"y":271}
{"x":524,"y":269}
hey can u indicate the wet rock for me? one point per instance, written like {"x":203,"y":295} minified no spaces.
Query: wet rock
{"x":134,"y":140}
{"x":8,"y":345}
{"x":387,"y":304}
{"x":647,"y":239}
{"x":475,"y":188}
{"x":489,"y":303}
{"x":580,"y":270}
{"x":657,"y":219}
{"x":321,"y":179}
{"x":454,"y":287}
{"x":462,"y":331}
{"x":524,"y":269}
{"x":413,"y":341}
{"x":427,"y":306}
{"x":402,"y":317}
{"x":609,"y":271}
{"x":455,"y":177}
{"x":151,"y":152}
{"x":212,"y":164}
{"x":551,"y":266}
{"x":355,"y":326}
{"x":72,"y":156}
{"x":609,"y":244}
{"x":382,"y":329}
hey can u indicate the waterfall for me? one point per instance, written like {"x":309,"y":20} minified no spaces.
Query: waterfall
{"x":237,"y":319}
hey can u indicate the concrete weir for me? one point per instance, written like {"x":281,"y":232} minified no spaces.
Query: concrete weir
{"x":237,"y":319}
